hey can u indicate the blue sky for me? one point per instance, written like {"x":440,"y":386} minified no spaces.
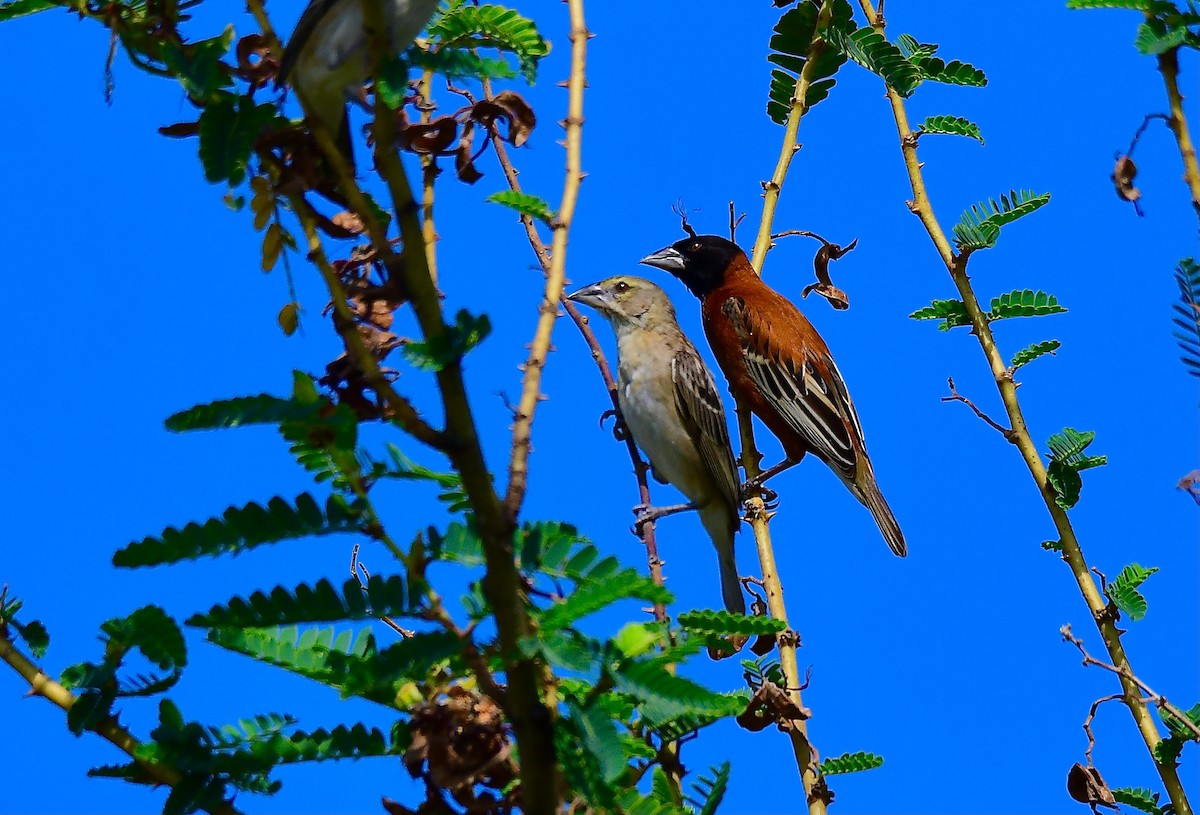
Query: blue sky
{"x":140,"y":294}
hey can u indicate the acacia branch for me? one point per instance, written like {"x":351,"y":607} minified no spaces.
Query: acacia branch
{"x":815,"y":792}
{"x":1168,"y":66}
{"x":1072,"y":553}
{"x":518,"y":467}
{"x":107,"y":728}
{"x":772,"y":188}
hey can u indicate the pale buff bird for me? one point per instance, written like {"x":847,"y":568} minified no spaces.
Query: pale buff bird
{"x":673,"y":410}
{"x":326,"y":58}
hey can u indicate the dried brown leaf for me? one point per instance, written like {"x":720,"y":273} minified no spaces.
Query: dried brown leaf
{"x":1086,"y":786}
{"x":429,"y":138}
{"x":1123,"y":174}
{"x":464,"y":160}
{"x":289,"y":318}
{"x":521,"y":118}
{"x":272,"y":246}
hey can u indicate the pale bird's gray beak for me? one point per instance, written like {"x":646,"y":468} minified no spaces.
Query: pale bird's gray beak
{"x":668,"y":259}
{"x":592,"y":295}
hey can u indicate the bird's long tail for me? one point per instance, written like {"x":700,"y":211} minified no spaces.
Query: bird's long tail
{"x":721,"y":525}
{"x":867,"y":491}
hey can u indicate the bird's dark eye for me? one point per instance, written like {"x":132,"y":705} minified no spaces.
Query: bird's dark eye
{"x":622,"y":286}
{"x":696,"y":246}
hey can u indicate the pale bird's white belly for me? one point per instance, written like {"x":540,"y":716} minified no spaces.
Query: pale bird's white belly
{"x":656,"y":430}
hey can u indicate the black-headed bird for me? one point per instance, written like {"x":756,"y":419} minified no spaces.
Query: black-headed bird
{"x":673,"y":410}
{"x":779,"y":365}
{"x":327,"y":58}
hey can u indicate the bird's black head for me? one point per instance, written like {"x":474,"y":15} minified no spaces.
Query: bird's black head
{"x":700,"y":262}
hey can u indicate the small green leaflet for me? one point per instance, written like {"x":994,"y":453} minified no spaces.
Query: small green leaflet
{"x":950,"y":126}
{"x":529,"y":205}
{"x":446,"y":349}
{"x":1027,"y":355}
{"x":1123,"y":591}
{"x":952,"y":313}
{"x":851,"y":763}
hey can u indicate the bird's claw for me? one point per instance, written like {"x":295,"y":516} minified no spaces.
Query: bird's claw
{"x":753,"y":486}
{"x":619,"y":431}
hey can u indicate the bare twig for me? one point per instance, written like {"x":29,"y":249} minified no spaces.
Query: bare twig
{"x":1087,"y":724}
{"x":363,"y":576}
{"x":956,"y":397}
{"x":734,"y":222}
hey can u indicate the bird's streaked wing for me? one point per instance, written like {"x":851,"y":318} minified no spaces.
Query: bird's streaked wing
{"x":805,"y":388}
{"x":312,"y":16}
{"x":703,"y":416}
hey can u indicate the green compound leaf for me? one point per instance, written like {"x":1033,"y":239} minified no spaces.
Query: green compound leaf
{"x":197,"y":65}
{"x":1178,"y":727}
{"x":384,"y":597}
{"x":1067,"y":460}
{"x":529,"y":205}
{"x":979,"y":227}
{"x":1123,"y":591}
{"x":228,"y":128}
{"x":1187,"y":314}
{"x":593,"y":596}
{"x":19,"y":8}
{"x":871,"y":50}
{"x":850,"y":763}
{"x":1167,"y":750}
{"x":153,"y":632}
{"x":1152,"y":6}
{"x":239,"y":529}
{"x":489,"y":26}
{"x":790,"y":45}
{"x":1028,"y":355}
{"x":666,"y":696}
{"x":950,"y":73}
{"x":709,"y":790}
{"x":950,"y":126}
{"x":1139,"y":798}
{"x":440,"y":352}
{"x":599,"y":737}
{"x":242,"y":410}
{"x":1024,"y":303}
{"x":952,"y":313}
{"x":459,"y":63}
{"x":1155,"y":37}
{"x":726,"y":623}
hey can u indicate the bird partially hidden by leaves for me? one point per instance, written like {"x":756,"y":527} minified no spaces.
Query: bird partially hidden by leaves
{"x":327,"y":57}
{"x":673,"y":410}
{"x":777,"y":363}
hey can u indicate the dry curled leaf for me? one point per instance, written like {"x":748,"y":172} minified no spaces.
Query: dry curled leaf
{"x":510,"y":107}
{"x":256,"y":63}
{"x":1086,"y":786}
{"x":429,"y":138}
{"x":1190,"y":484}
{"x":1122,"y":177}
{"x":836,"y":297}
{"x":459,"y":741}
{"x":464,"y":161}
{"x":726,"y":647}
{"x":349,"y":222}
{"x":771,"y":705}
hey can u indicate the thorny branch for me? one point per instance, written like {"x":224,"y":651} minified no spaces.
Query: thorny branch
{"x":956,"y":265}
{"x":816,"y":793}
{"x":640,"y":468}
{"x":518,"y":468}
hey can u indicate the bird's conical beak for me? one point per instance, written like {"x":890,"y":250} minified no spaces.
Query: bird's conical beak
{"x":592,"y":295}
{"x":668,"y":259}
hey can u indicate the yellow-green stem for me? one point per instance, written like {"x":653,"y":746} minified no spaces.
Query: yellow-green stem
{"x":1072,"y":553}
{"x":1168,"y":66}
